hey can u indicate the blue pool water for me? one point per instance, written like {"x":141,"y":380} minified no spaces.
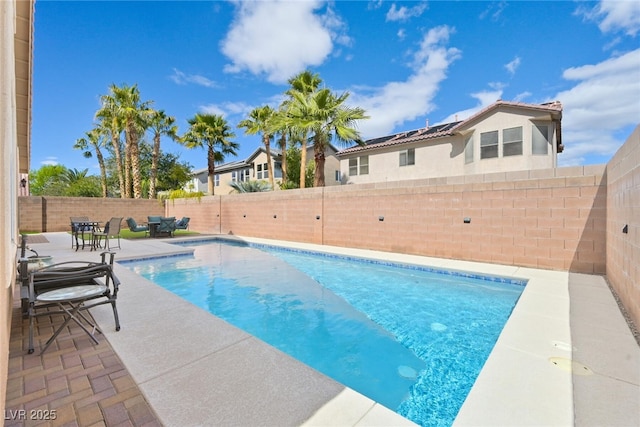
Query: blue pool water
{"x":410,"y":339}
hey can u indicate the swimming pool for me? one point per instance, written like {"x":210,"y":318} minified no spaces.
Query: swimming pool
{"x":411,"y":339}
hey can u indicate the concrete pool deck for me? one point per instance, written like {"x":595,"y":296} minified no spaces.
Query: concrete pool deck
{"x":195,"y":369}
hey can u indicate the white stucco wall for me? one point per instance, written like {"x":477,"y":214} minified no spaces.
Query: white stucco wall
{"x":445,"y":156}
{"x":527,"y":161}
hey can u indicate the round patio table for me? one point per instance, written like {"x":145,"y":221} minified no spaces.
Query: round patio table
{"x":71,"y":300}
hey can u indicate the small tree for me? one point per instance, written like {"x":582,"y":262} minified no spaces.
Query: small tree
{"x":293,"y":164}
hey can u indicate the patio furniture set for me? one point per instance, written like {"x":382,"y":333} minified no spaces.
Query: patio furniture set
{"x":159,"y":226}
{"x":90,"y":234}
{"x":67,"y":288}
{"x":70,"y":288}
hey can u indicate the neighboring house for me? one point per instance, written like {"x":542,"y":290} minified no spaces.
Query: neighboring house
{"x":255,"y":167}
{"x":506,"y":136}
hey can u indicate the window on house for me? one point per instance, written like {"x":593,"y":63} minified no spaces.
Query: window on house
{"x":364,"y":165}
{"x":263,"y":171}
{"x":337,"y":176}
{"x":277,"y":170}
{"x":540,"y":139}
{"x":353,"y":167}
{"x":489,"y":144}
{"x":468,"y":150}
{"x":512,"y":142}
{"x":216,"y":180}
{"x":408,"y":157}
{"x":234,"y":176}
{"x":243,"y":175}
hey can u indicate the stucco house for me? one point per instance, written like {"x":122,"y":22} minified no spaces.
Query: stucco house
{"x":255,"y":167}
{"x":503,"y":137}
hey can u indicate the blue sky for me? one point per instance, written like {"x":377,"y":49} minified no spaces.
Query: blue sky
{"x":403,"y":62}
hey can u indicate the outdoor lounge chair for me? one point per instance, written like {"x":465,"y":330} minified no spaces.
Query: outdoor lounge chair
{"x":183,"y":224}
{"x":67,"y":276}
{"x":111,"y":230}
{"x":167,"y":226}
{"x":134,"y":227}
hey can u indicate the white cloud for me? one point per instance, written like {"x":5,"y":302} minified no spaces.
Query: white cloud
{"x":604,"y":100}
{"x":404,"y":13}
{"x":50,"y":161}
{"x":494,"y":10}
{"x":400,"y":101}
{"x":227,"y":109}
{"x":615,"y":15}
{"x":374,"y":4}
{"x":280,"y":38}
{"x":521,"y":97}
{"x":513,"y":65}
{"x":182,"y":78}
{"x":485,"y":98}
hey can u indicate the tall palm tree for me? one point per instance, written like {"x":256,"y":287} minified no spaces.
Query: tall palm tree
{"x":134,"y":115}
{"x":96,"y":139}
{"x":110,"y":123}
{"x":160,"y":124}
{"x":212,"y":132}
{"x":260,"y":121}
{"x":331,"y":118}
{"x":303,"y":85}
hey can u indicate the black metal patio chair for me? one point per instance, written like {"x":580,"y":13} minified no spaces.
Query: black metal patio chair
{"x":74,"y":276}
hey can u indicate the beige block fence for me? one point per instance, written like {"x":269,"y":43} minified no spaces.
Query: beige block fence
{"x":554,"y":219}
{"x":54,"y":213}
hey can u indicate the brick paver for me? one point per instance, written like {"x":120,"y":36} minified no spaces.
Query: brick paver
{"x":75,"y":382}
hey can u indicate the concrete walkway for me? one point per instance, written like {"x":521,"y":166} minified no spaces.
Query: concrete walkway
{"x":195,"y":369}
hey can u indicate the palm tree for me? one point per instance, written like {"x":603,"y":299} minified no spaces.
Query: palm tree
{"x":212,"y":132}
{"x":72,"y":176}
{"x":160,"y":124}
{"x":110,"y":124}
{"x":303,"y":86}
{"x":95,"y":138}
{"x":331,"y":118}
{"x":260,"y":121}
{"x":134,"y":115}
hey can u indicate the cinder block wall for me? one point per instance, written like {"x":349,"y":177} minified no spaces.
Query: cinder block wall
{"x":204,"y":213}
{"x":553,"y":219}
{"x":623,"y":210}
{"x":53,"y":213}
{"x":547,"y":219}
